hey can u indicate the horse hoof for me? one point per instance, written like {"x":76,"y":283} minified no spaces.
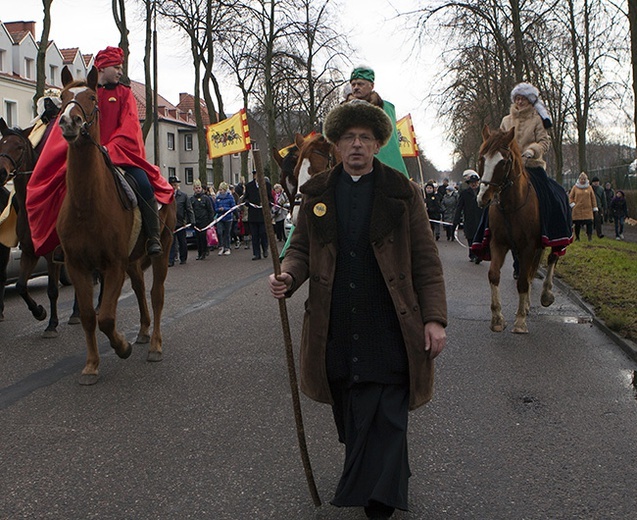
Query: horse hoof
{"x":88,"y":379}
{"x":154,"y":356}
{"x":142,"y":339}
{"x":74,"y":320}
{"x":520,"y":330}
{"x":547,"y":300}
{"x":126,"y":353}
{"x":40,"y":313}
{"x":50,"y":333}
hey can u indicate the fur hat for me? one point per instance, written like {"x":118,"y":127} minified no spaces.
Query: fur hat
{"x":357,"y":113}
{"x":533,"y":95}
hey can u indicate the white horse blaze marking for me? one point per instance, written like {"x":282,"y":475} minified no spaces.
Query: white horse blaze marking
{"x":75,"y":91}
{"x":489,"y":167}
{"x":304,"y":172}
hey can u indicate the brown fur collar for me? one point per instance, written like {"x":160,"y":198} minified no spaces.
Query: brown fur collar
{"x":392,"y":191}
{"x":375,"y":99}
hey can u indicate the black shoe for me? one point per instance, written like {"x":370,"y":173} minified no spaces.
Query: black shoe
{"x":171,"y":264}
{"x":256,"y":258}
{"x":182,"y":262}
{"x":437,"y":237}
{"x":265,"y":254}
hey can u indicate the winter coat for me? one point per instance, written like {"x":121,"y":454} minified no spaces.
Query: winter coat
{"x":185,"y":214}
{"x":253,"y":200}
{"x":224,"y":202}
{"x":530,"y":133}
{"x":202,"y":208}
{"x":468,"y":207}
{"x":619,"y":207}
{"x":583,"y":201}
{"x":407,"y":256}
{"x":279,"y":212}
{"x":600,"y":196}
{"x":434,"y":207}
{"x":449,"y":205}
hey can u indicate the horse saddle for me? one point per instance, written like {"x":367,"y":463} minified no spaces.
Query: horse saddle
{"x":126,"y":188}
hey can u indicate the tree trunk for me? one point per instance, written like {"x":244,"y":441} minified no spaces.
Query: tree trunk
{"x":632,"y":20}
{"x":119,"y":15}
{"x":41,"y":59}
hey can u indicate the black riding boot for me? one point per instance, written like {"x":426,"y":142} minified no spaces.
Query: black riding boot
{"x":150,"y":224}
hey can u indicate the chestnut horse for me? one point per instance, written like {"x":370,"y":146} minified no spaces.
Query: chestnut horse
{"x":514,"y":223}
{"x":312,"y":155}
{"x":98,"y":234}
{"x":17,"y":159}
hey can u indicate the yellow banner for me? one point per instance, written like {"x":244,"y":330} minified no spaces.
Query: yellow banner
{"x":229,"y":136}
{"x":407,"y":137}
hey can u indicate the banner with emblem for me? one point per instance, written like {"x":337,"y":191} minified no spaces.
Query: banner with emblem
{"x":407,"y":137}
{"x":229,"y":136}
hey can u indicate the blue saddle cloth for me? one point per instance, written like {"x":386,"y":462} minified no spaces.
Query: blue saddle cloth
{"x":555,"y":217}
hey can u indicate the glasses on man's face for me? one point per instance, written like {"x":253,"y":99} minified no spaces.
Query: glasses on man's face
{"x":363,"y":138}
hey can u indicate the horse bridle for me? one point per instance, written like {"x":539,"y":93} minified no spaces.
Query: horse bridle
{"x":86,"y":124}
{"x":328,"y":156}
{"x":506,"y":183}
{"x":17,"y":164}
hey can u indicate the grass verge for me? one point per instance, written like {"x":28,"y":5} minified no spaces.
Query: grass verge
{"x":604,"y":273}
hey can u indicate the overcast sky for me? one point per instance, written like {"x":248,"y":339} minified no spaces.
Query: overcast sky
{"x":375,"y":36}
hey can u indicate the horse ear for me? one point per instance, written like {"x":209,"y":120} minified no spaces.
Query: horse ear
{"x":277,"y":156}
{"x":486,"y":132}
{"x":3,"y":126}
{"x":67,"y":77}
{"x":510,"y":135}
{"x":299,"y":140}
{"x":91,"y":79}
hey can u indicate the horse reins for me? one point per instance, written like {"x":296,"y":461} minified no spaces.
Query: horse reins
{"x":17,"y":163}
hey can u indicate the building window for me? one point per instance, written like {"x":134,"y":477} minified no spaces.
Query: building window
{"x":11,"y":113}
{"x":172,"y":172}
{"x":188,"y":142}
{"x":189,"y":174}
{"x":171,"y":141}
{"x":53,"y":75}
{"x":3,"y":57}
{"x":79,"y":74}
{"x":29,"y":68}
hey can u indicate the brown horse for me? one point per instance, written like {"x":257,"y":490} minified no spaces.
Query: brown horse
{"x":514,"y":223}
{"x":315,"y":154}
{"x":97,"y":233}
{"x":17,"y":159}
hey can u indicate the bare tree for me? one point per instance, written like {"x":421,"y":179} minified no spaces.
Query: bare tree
{"x":41,"y":57}
{"x":119,"y":15}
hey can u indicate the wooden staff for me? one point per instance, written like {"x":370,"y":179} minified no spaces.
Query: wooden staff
{"x":285,"y":324}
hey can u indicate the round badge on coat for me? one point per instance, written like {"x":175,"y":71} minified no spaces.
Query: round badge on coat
{"x":320,"y":209}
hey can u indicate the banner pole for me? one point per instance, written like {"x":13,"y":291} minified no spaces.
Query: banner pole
{"x":287,"y":337}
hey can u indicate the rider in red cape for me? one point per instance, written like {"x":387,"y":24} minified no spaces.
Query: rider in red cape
{"x":120,"y":133}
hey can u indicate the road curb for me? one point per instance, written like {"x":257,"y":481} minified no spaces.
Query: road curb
{"x":628,"y":346}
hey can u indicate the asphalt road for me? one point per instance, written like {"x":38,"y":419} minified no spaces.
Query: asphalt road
{"x":521,"y":427}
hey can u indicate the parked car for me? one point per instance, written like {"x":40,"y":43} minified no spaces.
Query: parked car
{"x":191,"y":237}
{"x":13,"y":268}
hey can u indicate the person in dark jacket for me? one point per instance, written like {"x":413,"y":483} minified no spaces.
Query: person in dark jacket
{"x":468,"y":210}
{"x":609,"y":192}
{"x":252,"y":199}
{"x":184,"y":216}
{"x":375,"y":316}
{"x":204,"y":213}
{"x":434,"y":208}
{"x":619,"y":209}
